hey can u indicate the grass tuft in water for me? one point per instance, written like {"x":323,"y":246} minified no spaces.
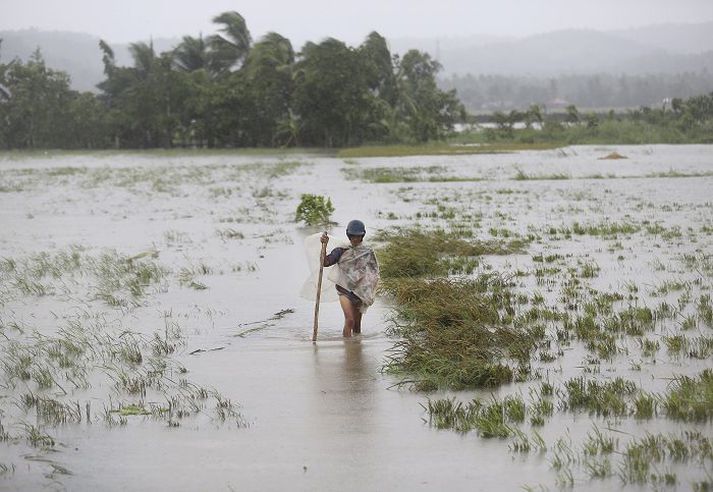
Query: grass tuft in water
{"x":600,"y":398}
{"x":690,"y":399}
{"x":496,"y":418}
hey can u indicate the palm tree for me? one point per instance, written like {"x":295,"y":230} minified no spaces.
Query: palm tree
{"x":144,"y":57}
{"x":288,"y":131}
{"x":192,"y":54}
{"x":232,"y":47}
{"x":273,"y":49}
{"x":107,"y":57}
{"x":268,"y":81}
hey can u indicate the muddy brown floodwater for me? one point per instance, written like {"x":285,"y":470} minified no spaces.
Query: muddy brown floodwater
{"x":306,"y":416}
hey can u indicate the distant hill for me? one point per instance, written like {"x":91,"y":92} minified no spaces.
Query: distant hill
{"x":657,"y":49}
{"x":669,"y":48}
{"x":685,"y":39}
{"x":77,"y":54}
{"x":436,"y":45}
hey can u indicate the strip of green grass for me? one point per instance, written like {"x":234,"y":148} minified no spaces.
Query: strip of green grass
{"x":442,"y":149}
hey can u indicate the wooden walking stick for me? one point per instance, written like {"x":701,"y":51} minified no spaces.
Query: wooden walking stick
{"x":319,"y":291}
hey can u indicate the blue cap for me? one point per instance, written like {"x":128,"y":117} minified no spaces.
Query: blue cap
{"x":356,"y":228}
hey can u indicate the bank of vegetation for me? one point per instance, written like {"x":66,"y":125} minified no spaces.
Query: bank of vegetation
{"x":677,"y":121}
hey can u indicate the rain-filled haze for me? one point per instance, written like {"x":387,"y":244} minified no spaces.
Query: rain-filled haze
{"x":132,"y":20}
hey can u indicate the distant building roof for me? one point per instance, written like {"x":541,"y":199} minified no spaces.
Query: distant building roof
{"x":557,"y":102}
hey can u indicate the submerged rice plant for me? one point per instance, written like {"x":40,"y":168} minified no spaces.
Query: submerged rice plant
{"x":599,"y":398}
{"x":690,"y":399}
{"x":496,"y":418}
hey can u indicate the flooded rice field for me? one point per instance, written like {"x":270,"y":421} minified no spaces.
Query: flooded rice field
{"x":152,"y":333}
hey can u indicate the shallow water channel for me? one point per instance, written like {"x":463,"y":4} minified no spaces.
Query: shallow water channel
{"x":304,"y":416}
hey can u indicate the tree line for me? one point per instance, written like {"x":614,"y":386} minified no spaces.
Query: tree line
{"x":485,"y":93}
{"x":225,"y":90}
{"x":677,"y":120}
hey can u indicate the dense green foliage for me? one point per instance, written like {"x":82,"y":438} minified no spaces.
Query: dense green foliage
{"x":225,"y":91}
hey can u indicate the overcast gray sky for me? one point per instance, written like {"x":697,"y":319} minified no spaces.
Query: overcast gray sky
{"x":302,"y":20}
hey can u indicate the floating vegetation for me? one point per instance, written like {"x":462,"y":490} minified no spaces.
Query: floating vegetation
{"x":415,"y":253}
{"x":132,"y":409}
{"x":458,"y":333}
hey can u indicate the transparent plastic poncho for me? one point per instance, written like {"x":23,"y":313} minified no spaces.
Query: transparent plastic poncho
{"x":357,"y":271}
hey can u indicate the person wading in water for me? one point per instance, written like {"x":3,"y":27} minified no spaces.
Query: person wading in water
{"x":357,"y":276}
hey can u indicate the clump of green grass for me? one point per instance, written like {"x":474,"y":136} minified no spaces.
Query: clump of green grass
{"x":649,"y":347}
{"x":690,"y":399}
{"x":36,"y":437}
{"x":541,"y":409}
{"x":523,"y":176}
{"x":598,"y":443}
{"x":705,"y":310}
{"x":51,"y":411}
{"x":600,"y":398}
{"x":694,"y":347}
{"x":645,"y":406}
{"x":643,"y":457}
{"x":589,"y":270}
{"x":490,"y":419}
{"x":633,"y":321}
{"x":664,"y":232}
